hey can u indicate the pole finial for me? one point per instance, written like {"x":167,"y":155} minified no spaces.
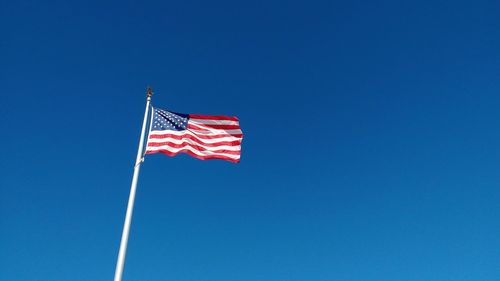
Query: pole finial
{"x":149,"y":92}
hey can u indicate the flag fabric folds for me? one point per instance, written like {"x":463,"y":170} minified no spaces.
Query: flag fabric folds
{"x":201,"y":136}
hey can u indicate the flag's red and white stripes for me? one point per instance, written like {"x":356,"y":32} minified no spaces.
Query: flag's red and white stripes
{"x":206,"y":137}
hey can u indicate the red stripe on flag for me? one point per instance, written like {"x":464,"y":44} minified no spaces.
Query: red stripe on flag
{"x":216,"y":127}
{"x":220,"y":117}
{"x":164,"y":136}
{"x":197,"y":147}
{"x":208,"y":157}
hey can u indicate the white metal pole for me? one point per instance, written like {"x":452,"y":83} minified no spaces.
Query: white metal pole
{"x":130,"y":208}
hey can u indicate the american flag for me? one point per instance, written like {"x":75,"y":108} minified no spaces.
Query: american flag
{"x":201,"y":136}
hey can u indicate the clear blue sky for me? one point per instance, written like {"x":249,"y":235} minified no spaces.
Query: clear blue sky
{"x":371,"y":147}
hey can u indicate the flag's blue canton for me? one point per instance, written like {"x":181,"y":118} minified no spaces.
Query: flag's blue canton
{"x":166,"y":120}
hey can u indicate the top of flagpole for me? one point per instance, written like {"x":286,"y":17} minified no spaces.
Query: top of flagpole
{"x":149,"y":92}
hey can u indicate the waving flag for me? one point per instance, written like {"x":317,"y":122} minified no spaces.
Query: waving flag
{"x":201,"y":136}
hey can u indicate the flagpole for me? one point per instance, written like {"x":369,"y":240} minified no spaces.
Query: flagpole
{"x":130,"y":207}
